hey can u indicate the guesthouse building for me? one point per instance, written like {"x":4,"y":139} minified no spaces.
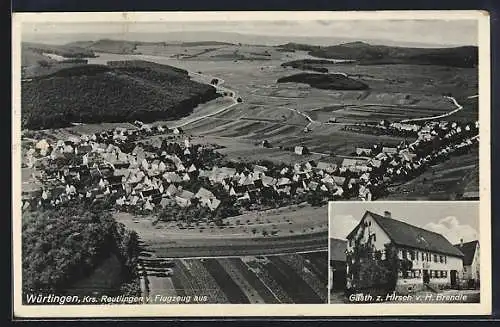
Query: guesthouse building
{"x":420,"y":259}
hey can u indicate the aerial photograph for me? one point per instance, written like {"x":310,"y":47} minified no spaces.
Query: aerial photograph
{"x":390,"y":252}
{"x":193,"y":161}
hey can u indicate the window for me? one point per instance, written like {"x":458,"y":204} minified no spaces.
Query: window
{"x":435,"y":258}
{"x":412,"y":255}
{"x":374,"y":237}
{"x":444,"y":259}
{"x":445,"y":274}
{"x":465,"y":269}
{"x":369,"y":223}
{"x":441,"y":259}
{"x":442,"y":274}
{"x":405,"y":254}
{"x":350,"y":243}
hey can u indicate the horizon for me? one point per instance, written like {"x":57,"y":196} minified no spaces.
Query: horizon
{"x":405,"y":33}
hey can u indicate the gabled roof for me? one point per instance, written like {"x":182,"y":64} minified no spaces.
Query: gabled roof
{"x":469,"y":250}
{"x":337,"y":249}
{"x":404,"y":234}
{"x":204,"y":193}
{"x":185,"y":194}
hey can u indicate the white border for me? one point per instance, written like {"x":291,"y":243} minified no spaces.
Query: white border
{"x":199,"y":310}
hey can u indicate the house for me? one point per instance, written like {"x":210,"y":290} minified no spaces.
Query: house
{"x":214,"y":204}
{"x":375,"y":163}
{"x":283,"y":182}
{"x":389,"y":150}
{"x":363,"y":151}
{"x":148,"y":206}
{"x":339,"y":180}
{"x":260,"y":169}
{"x":301,"y":150}
{"x":171,"y":190}
{"x":426,"y":259}
{"x":43,"y":146}
{"x":172,"y":177}
{"x":347,"y":162}
{"x":205,"y":196}
{"x":265,"y":144}
{"x":183,"y":199}
{"x":326,"y":166}
{"x":337,"y":264}
{"x":470,"y":272}
{"x":165,"y":202}
{"x":150,"y":194}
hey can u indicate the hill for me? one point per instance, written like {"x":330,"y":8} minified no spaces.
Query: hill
{"x":367,"y":54}
{"x":291,"y":46}
{"x":33,"y":53}
{"x":325,"y":81}
{"x":118,"y":92}
{"x":109,"y":46}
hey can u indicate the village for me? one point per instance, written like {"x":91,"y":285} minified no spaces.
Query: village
{"x":141,"y":175}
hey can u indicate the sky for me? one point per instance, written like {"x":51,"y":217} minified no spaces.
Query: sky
{"x":425,"y":32}
{"x":453,"y":220}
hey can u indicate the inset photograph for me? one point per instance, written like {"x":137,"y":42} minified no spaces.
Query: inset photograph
{"x":404,"y":252}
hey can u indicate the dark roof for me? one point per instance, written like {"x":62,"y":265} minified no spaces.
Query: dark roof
{"x":337,"y":249}
{"x":469,"y":250}
{"x":402,"y":233}
{"x":152,"y":192}
{"x":114,"y":180}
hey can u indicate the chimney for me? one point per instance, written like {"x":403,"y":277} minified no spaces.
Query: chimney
{"x":461,"y":242}
{"x":387,"y":214}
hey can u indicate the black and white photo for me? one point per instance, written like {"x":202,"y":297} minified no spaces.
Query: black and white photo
{"x":191,"y":158}
{"x":404,"y":252}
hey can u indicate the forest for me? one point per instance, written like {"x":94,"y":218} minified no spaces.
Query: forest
{"x":124,"y":91}
{"x":325,"y":81}
{"x":64,"y":245}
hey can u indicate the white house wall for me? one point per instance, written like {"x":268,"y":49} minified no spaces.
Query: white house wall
{"x":381,"y":238}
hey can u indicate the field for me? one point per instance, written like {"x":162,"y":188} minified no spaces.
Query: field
{"x":446,"y":181}
{"x":239,"y":280}
{"x":283,"y":230}
{"x":277,"y":112}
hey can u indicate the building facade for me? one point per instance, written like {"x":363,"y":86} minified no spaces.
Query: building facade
{"x":471,"y":268}
{"x":425,"y":259}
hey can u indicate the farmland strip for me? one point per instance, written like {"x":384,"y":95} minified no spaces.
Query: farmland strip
{"x":239,"y":279}
{"x":299,"y":264}
{"x":207,"y":285}
{"x":256,"y":283}
{"x":226,"y":283}
{"x":285,"y":276}
{"x":261,"y":271}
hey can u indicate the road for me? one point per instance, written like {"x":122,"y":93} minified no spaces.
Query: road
{"x":457,"y":105}
{"x":220,"y":89}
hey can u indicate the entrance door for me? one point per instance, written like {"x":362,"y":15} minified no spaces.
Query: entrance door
{"x":453,"y":278}
{"x":426,"y":276}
